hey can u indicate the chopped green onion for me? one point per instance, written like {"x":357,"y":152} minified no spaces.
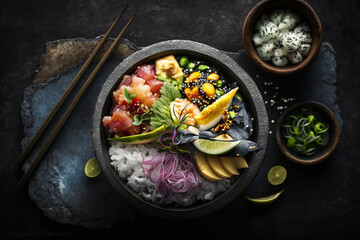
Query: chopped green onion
{"x":311,"y":118}
{"x":304,"y":131}
{"x":238,"y":96}
{"x":320,"y":127}
{"x":291,"y":142}
{"x":232,"y":114}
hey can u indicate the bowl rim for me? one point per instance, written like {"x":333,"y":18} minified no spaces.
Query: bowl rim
{"x":101,"y":151}
{"x":268,"y":67}
{"x":293,"y":156}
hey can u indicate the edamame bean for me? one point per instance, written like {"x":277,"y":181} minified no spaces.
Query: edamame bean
{"x":203,"y":67}
{"x":219,"y":93}
{"x":184,"y":61}
{"x":191,"y":65}
{"x":219,"y":83}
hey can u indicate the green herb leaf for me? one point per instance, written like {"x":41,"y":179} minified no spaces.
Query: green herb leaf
{"x":127,"y":96}
{"x":161,"y":108}
{"x":137,"y":120}
{"x":141,"y":119}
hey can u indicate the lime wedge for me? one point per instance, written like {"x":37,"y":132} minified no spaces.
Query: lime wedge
{"x":265,"y":200}
{"x":214,"y":147}
{"x":92,"y":168}
{"x":277,"y":175}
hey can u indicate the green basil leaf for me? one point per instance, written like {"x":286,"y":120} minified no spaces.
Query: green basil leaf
{"x":137,"y":120}
{"x":127,"y":96}
{"x":145,"y":117}
{"x":141,"y":119}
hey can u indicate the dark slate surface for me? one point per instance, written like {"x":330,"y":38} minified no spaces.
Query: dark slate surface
{"x":61,"y":189}
{"x":321,"y":202}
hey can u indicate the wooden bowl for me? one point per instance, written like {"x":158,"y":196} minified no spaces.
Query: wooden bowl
{"x":327,"y":116}
{"x":266,"y":6}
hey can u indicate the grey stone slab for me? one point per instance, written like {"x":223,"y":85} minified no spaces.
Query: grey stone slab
{"x":59,"y":186}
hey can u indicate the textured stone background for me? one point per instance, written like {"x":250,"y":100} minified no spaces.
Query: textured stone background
{"x":26,"y":28}
{"x":60,"y":188}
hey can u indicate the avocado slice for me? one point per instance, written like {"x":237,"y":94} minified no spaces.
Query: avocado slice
{"x":142,"y":138}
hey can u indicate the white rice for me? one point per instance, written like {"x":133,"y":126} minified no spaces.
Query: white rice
{"x":127,"y":158}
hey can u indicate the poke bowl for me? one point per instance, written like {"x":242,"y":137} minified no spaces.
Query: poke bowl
{"x":179,"y":129}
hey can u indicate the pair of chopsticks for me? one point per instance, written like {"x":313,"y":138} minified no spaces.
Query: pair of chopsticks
{"x":63,"y":119}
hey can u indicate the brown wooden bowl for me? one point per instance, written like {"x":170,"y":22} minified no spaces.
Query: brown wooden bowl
{"x":266,"y":6}
{"x":323,"y":152}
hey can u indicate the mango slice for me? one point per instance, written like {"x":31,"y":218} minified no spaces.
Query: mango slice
{"x":229,"y":165}
{"x":217,"y":167}
{"x":240,"y":162}
{"x":204,"y":168}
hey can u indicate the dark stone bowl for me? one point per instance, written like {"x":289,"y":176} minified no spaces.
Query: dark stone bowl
{"x":247,"y":89}
{"x":324,"y":152}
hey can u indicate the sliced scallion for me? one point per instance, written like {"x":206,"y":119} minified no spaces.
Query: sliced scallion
{"x":304,"y":131}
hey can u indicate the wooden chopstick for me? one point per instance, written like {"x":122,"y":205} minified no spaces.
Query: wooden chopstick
{"x":51,"y":115}
{"x":63,"y":119}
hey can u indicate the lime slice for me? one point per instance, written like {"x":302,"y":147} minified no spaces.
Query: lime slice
{"x":212,"y":114}
{"x":214,"y":147}
{"x":92,"y":168}
{"x":141,"y":138}
{"x":277,"y":175}
{"x":265,"y":200}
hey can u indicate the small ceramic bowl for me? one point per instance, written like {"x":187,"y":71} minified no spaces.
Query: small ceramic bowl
{"x":322,"y":153}
{"x":267,"y":6}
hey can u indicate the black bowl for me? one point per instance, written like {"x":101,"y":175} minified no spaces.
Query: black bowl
{"x":248,"y":91}
{"x":323,"y":152}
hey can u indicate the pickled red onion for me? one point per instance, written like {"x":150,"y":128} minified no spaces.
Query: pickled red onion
{"x":171,"y":171}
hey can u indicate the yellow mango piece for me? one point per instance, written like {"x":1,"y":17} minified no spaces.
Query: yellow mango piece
{"x":217,"y":167}
{"x":204,"y":167}
{"x":240,"y":162}
{"x":229,"y":165}
{"x":224,"y":137}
